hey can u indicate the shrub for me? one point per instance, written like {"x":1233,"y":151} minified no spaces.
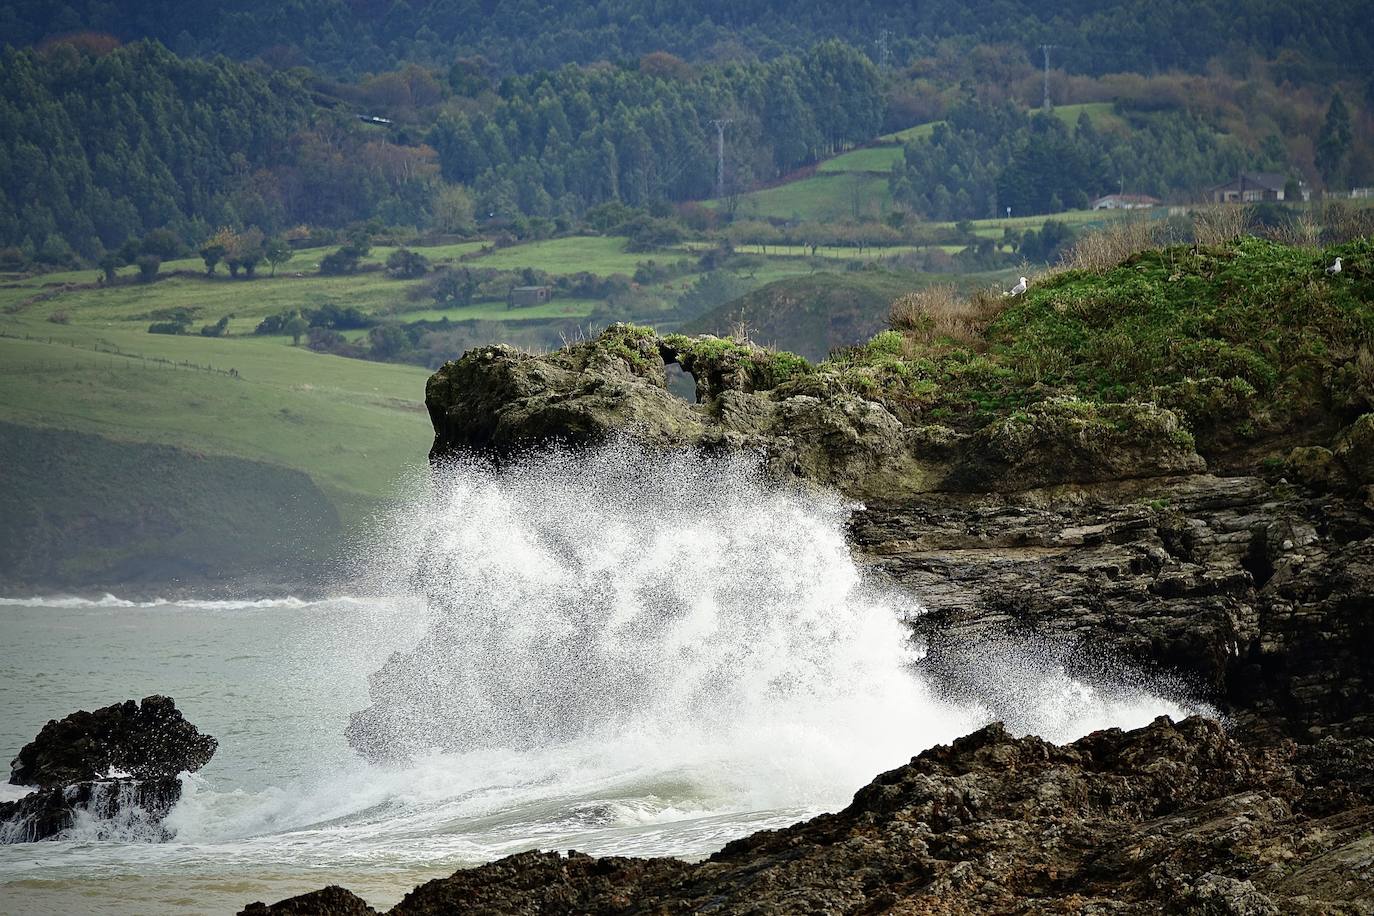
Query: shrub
{"x":148,"y":266}
{"x":1223,"y":223}
{"x":1100,"y":251}
{"x":939,"y":313}
{"x":406,"y":264}
{"x":341,"y":262}
{"x":218,"y":329}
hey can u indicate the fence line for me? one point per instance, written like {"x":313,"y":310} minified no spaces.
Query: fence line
{"x":148,"y":363}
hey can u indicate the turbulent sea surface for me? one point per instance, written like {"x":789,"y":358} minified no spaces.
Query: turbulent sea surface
{"x":596,"y":652}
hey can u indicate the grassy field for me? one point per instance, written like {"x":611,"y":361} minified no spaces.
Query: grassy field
{"x":911,"y":133}
{"x":1079,"y":219}
{"x":1100,"y":113}
{"x":576,"y":254}
{"x":497,"y":311}
{"x":827,"y":197}
{"x":353,"y":426}
{"x":869,"y":159}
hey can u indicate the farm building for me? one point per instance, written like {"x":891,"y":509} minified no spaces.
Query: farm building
{"x":1125,"y":202}
{"x":1251,"y":187}
{"x":525,"y":296}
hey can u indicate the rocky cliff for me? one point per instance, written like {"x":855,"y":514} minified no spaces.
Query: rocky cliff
{"x":1168,"y":467}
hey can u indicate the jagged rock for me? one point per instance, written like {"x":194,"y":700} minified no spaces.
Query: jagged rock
{"x":1316,"y":467}
{"x":329,"y":901}
{"x":1258,"y":599}
{"x":117,"y":807}
{"x":121,"y":761}
{"x":144,"y":740}
{"x":1166,"y":818}
{"x":1090,"y":528}
{"x":497,"y":400}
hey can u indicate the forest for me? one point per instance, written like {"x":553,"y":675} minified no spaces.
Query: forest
{"x":189,"y":127}
{"x":353,"y":37}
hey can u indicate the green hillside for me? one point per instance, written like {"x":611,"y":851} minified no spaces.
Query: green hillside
{"x":82,"y":510}
{"x":812,"y":315}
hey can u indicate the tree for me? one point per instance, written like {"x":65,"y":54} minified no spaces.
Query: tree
{"x":406,"y":264}
{"x":296,"y":326}
{"x":454,"y":288}
{"x":338,"y":263}
{"x":220,"y":248}
{"x":244,"y":250}
{"x":277,"y":252}
{"x":148,"y":266}
{"x":453,"y":211}
{"x":163,"y":243}
{"x":212,"y":252}
{"x":109,"y":263}
{"x":1333,"y":143}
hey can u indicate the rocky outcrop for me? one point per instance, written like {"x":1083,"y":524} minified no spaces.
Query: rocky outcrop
{"x":1256,"y":597}
{"x":1092,"y":532}
{"x":118,"y":762}
{"x":1065,"y":439}
{"x":806,"y":424}
{"x":1174,"y":818}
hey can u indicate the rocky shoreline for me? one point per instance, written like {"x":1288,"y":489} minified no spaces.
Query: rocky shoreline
{"x":1093,"y":529}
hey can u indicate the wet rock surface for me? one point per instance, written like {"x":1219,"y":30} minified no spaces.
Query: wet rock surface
{"x":1168,"y":818}
{"x":1095,"y":533}
{"x":1256,"y":598}
{"x":117,"y":767}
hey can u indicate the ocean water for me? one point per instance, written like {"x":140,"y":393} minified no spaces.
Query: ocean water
{"x":603,"y":652}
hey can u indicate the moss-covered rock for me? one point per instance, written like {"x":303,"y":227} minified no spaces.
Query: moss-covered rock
{"x":1316,"y":467}
{"x":1355,"y":449}
{"x":1069,"y":440}
{"x":818,"y":423}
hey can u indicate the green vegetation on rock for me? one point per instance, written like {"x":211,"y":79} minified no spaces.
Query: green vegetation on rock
{"x":1242,"y":340}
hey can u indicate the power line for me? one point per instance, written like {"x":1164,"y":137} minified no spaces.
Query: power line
{"x":1046,"y":50}
{"x":721,"y":124}
{"x":884,"y":43}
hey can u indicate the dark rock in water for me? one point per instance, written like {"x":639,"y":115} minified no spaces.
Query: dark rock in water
{"x":127,"y":808}
{"x":118,"y":766}
{"x":328,"y":901}
{"x":1166,"y":818}
{"x":144,"y":740}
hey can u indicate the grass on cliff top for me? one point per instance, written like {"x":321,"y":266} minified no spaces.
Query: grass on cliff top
{"x":1243,"y":339}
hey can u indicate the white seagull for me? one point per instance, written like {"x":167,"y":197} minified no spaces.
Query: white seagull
{"x":1334,"y":268}
{"x":1019,"y":288}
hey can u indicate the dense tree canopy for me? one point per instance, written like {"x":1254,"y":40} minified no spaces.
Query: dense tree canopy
{"x":97,"y":148}
{"x":986,"y":157}
{"x":353,"y":36}
{"x":557,"y":143}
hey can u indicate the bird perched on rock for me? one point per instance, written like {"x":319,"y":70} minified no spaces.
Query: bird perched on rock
{"x":1334,"y":268}
{"x":1019,"y":288}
